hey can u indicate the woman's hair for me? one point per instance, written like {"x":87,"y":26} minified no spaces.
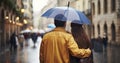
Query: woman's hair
{"x":80,"y":36}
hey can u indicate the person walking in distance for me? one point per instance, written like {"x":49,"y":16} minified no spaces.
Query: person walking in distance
{"x":13,"y":43}
{"x":57,"y":44}
{"x":83,"y":42}
{"x":34,"y":37}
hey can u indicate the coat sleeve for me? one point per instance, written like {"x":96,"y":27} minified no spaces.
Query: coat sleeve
{"x":75,"y":51}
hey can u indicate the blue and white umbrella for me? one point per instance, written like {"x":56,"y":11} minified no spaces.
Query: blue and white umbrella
{"x":70,"y":14}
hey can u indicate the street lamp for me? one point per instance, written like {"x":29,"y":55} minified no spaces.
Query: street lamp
{"x":22,"y":10}
{"x":6,"y":17}
{"x":17,"y":18}
{"x":25,"y":21}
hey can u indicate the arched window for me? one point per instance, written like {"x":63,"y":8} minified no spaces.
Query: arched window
{"x":2,"y":15}
{"x":105,"y":29}
{"x":99,"y":7}
{"x":98,"y":26}
{"x":93,"y":31}
{"x":113,"y":5}
{"x":113,"y":31}
{"x":105,"y":6}
{"x":93,"y":8}
{"x":2,"y":29}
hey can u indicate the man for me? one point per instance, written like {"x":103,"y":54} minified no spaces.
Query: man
{"x":58,"y":44}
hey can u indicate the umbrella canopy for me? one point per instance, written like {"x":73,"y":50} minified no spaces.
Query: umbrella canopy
{"x":41,"y":31}
{"x":35,"y":30}
{"x":70,"y":14}
{"x":51,"y":26}
{"x":25,"y":31}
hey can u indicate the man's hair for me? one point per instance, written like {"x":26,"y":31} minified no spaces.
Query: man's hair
{"x":60,"y":20}
{"x":59,"y":23}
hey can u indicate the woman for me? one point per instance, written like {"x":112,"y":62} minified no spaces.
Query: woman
{"x":82,"y":40}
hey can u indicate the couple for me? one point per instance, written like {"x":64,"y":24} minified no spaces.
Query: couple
{"x":59,"y":46}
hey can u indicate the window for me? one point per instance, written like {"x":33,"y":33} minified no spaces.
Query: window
{"x":98,"y":29}
{"x":93,"y":31}
{"x":105,"y":29}
{"x":93,"y":8}
{"x":25,"y":6}
{"x":105,"y":6}
{"x":99,"y":7}
{"x":113,"y":31}
{"x":2,"y":15}
{"x":113,"y":5}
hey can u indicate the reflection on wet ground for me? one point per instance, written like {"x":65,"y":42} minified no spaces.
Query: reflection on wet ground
{"x":110,"y":54}
{"x":28,"y":54}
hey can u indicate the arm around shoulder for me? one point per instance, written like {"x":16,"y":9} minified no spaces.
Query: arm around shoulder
{"x":75,"y":51}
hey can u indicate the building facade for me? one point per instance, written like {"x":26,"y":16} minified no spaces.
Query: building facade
{"x":43,"y":22}
{"x":9,"y":21}
{"x":28,"y":12}
{"x":106,"y":20}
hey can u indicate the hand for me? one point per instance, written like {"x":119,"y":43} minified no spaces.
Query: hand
{"x":87,"y":53}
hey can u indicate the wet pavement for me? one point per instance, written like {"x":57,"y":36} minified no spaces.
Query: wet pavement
{"x":29,"y":54}
{"x":109,"y":54}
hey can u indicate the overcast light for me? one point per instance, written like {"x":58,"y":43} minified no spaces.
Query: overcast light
{"x":37,"y":7}
{"x":39,"y":4}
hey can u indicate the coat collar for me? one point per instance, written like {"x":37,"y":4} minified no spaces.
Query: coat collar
{"x":59,"y":29}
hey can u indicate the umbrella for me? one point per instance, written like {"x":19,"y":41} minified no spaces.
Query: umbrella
{"x":51,"y":26}
{"x":70,"y":13}
{"x":35,"y":30}
{"x":25,"y":31}
{"x":41,"y":31}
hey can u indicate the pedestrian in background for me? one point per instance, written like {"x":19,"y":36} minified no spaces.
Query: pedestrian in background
{"x":34,"y":37}
{"x":105,"y":41}
{"x":26,"y":37}
{"x":83,"y":42}
{"x":21,"y":40}
{"x":13,"y":42}
{"x":58,"y":44}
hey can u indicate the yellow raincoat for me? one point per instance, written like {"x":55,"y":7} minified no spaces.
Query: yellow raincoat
{"x":57,"y":45}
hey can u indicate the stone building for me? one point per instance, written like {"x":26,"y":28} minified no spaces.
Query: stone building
{"x":28,"y":11}
{"x":106,"y":20}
